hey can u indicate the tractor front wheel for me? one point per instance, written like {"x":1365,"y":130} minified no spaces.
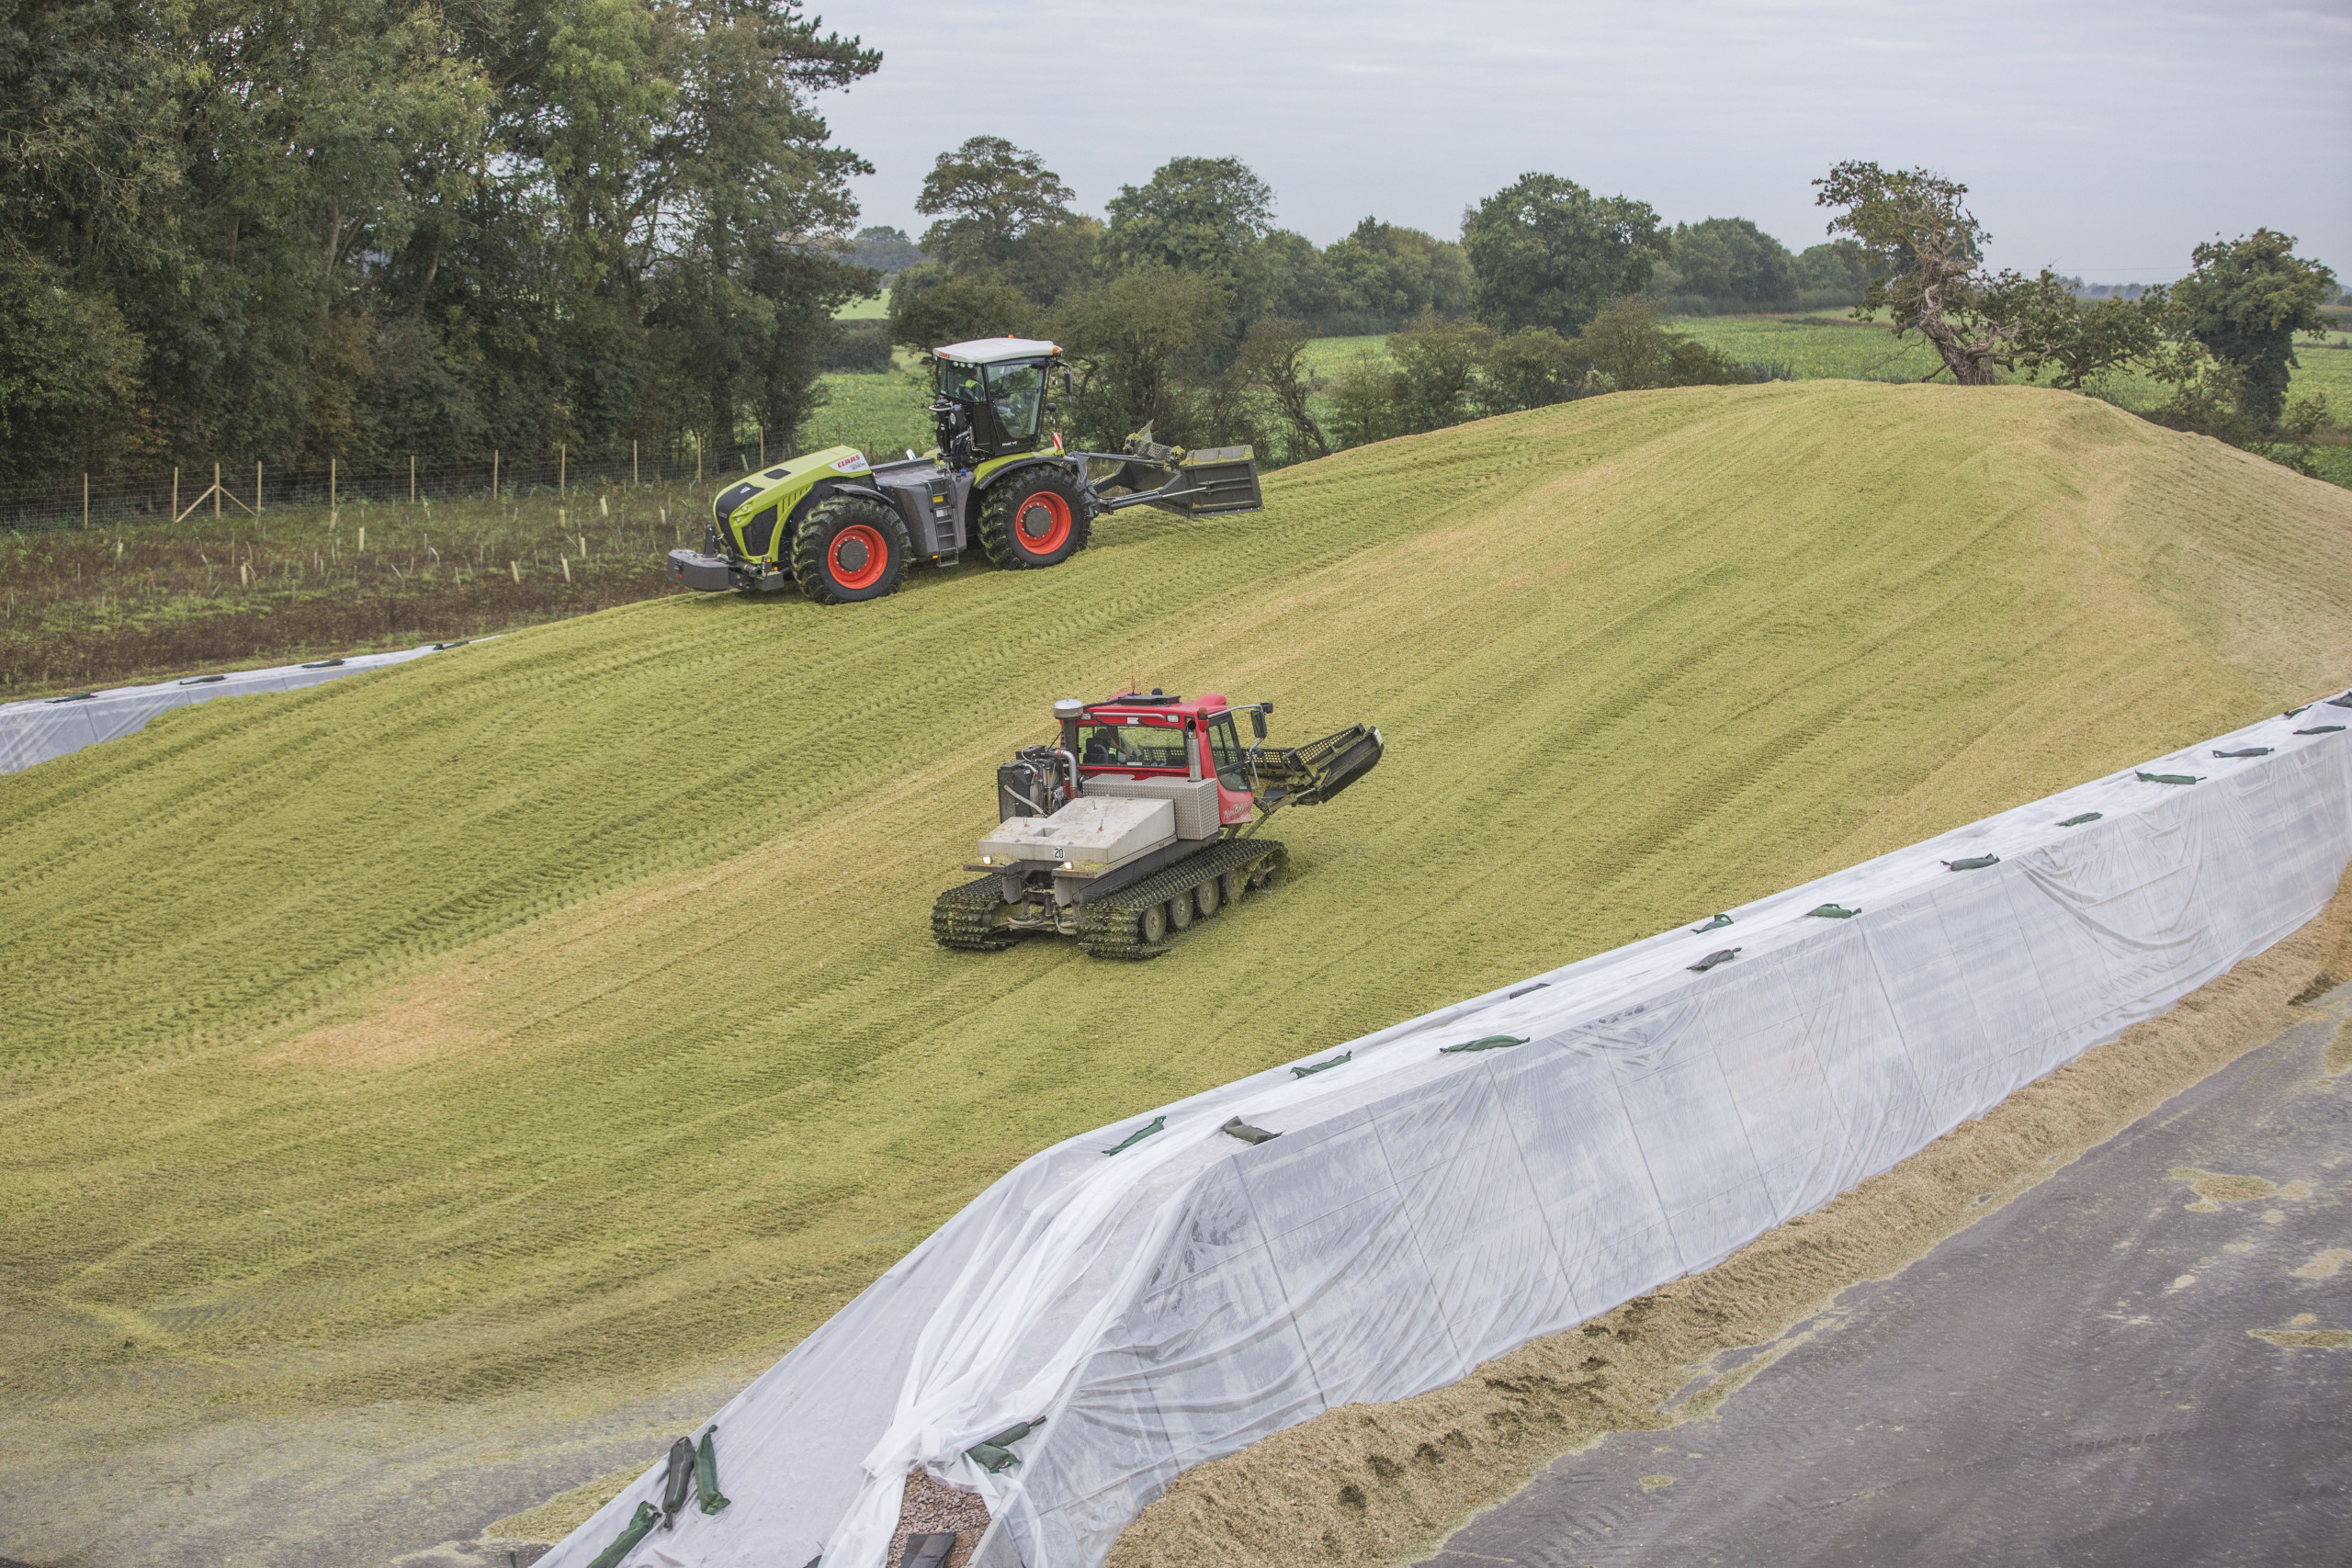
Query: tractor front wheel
{"x":849,"y":548}
{"x":1037,"y":517}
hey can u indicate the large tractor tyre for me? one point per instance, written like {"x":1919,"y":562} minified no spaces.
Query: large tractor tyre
{"x":1037,"y":517}
{"x":849,"y":548}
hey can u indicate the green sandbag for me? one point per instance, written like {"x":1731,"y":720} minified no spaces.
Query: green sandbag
{"x":1973,"y":862}
{"x":1718,"y":923}
{"x":1833,"y":912}
{"x":1237,"y":1128}
{"x":2168,"y":778}
{"x":643,"y":1520}
{"x":1725,"y":956}
{"x":706,"y":1474}
{"x":1322,"y":1067}
{"x":1489,"y":1043}
{"x":1139,"y":1134}
{"x":2322,"y":729}
{"x":678,"y":1482}
{"x":2246,"y":751}
{"x":994,"y":1454}
{"x":2086,"y":817}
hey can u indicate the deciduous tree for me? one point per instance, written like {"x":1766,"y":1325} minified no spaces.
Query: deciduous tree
{"x":1547,"y":252}
{"x":2246,"y":300}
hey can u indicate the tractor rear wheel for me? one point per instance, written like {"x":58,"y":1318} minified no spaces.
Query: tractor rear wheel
{"x":1037,"y":517}
{"x":849,"y":548}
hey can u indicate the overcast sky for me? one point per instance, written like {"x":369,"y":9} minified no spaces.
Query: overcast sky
{"x":2102,"y":137}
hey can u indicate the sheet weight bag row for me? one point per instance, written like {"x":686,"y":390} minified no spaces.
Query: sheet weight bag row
{"x":43,"y":727}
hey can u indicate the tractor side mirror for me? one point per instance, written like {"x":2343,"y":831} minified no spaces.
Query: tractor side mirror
{"x":1258,"y":723}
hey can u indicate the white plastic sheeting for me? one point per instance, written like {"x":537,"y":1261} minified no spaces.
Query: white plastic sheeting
{"x":35,"y":731}
{"x":1424,"y":1211}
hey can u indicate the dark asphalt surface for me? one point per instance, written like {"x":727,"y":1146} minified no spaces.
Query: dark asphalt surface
{"x":2074,"y":1379}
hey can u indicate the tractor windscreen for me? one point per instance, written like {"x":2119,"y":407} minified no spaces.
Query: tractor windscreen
{"x":1016,"y":394}
{"x":1132,"y":746}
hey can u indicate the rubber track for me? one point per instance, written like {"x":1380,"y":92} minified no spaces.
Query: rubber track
{"x":959,"y":918}
{"x":1111,"y":928}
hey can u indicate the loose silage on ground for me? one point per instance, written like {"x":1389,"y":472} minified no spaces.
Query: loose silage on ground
{"x":552,"y":1029}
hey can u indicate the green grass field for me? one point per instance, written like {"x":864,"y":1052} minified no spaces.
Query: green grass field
{"x":408,"y":1079}
{"x":884,"y":413}
{"x":1805,"y":347}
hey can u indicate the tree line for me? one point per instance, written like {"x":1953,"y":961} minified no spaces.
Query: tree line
{"x":292,"y":229}
{"x":1187,"y":309}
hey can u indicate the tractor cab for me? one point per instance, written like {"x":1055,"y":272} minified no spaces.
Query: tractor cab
{"x":991,"y":397}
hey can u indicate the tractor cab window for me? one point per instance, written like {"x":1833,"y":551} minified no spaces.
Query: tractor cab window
{"x":1132,"y":746}
{"x":1016,"y":394}
{"x":1225,"y":750}
{"x":962,"y":383}
{"x":999,"y":403}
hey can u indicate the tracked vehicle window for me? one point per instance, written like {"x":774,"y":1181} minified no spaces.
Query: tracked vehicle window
{"x":1131,"y":746}
{"x":1016,"y":391}
{"x":1225,"y":750}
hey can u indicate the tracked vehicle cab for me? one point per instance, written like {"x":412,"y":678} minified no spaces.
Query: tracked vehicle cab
{"x":991,"y":399}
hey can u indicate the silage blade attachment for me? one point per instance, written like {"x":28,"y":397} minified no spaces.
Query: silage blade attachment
{"x":1312,"y":774}
{"x":1210,"y":482}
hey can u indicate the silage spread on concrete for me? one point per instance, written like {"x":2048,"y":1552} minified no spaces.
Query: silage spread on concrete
{"x":526,"y":1033}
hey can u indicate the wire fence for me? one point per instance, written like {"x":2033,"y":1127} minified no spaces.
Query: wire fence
{"x":242,"y":489}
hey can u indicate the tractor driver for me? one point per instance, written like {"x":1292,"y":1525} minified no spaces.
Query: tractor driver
{"x":1102,"y":747}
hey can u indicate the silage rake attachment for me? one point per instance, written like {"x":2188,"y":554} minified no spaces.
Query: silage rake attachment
{"x":1313,"y":774}
{"x":1210,"y":483}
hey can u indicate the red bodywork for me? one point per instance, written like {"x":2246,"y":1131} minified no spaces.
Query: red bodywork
{"x":1198,"y":720}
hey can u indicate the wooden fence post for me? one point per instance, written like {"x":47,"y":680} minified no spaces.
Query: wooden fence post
{"x":412,"y":478}
{"x":175,"y":492}
{"x":331,"y":501}
{"x":256,"y":487}
{"x":85,"y":501}
{"x":560,"y":454}
{"x":216,"y":493}
{"x":632,"y":465}
{"x":494,"y":473}
{"x":697,"y":456}
{"x":763,"y":443}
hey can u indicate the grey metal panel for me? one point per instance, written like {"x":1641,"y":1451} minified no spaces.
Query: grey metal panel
{"x":1194,"y":799}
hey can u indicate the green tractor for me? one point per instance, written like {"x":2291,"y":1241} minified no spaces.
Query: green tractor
{"x":842,"y":530}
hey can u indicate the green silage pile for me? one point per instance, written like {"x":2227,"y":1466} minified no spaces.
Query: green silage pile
{"x":555,"y":1019}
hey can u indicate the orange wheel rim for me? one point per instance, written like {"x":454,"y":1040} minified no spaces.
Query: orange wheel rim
{"x":857,"y":557}
{"x":1041,"y":523}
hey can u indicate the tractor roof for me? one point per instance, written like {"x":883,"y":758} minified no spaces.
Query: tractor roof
{"x":998,"y":350}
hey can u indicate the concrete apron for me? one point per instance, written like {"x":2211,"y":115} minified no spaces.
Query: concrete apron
{"x":2146,"y":1358}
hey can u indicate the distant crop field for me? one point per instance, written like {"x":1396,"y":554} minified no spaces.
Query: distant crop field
{"x":1806,"y":348}
{"x":871,"y":308}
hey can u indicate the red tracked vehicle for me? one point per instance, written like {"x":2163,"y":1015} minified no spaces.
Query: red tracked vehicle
{"x":1141,"y":820}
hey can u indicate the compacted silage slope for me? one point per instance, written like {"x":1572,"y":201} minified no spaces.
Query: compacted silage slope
{"x":486,"y":1045}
